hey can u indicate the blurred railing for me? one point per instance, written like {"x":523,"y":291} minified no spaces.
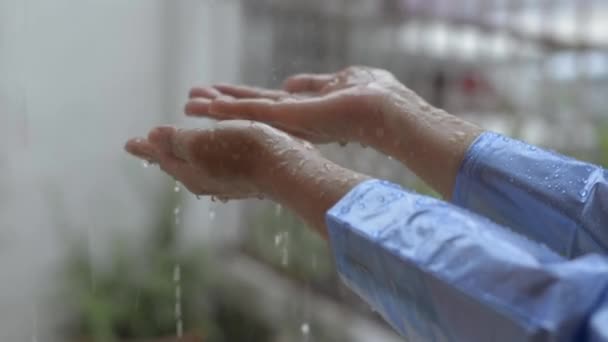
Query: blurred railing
{"x":536,"y":70}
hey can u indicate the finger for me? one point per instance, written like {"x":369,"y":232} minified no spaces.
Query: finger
{"x":293,"y":113}
{"x":307,"y":82}
{"x":143,"y":149}
{"x":197,"y":107}
{"x":240,"y":91}
{"x":204,"y":92}
{"x":185,"y":142}
{"x":169,"y":161}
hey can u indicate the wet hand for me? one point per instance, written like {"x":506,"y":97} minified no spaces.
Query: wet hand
{"x":234,"y":160}
{"x":350,"y":105}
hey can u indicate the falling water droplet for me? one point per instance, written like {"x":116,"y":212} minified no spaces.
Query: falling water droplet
{"x":176,"y":211}
{"x":177,"y":187}
{"x":305,"y":328}
{"x":583,"y":193}
{"x":145,"y":164}
{"x":179,"y":325}
{"x":277,"y":239}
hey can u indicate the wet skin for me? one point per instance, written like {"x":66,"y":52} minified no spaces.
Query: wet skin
{"x":241,"y":158}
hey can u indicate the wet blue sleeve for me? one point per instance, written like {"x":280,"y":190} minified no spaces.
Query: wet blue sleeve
{"x":437,"y":272}
{"x":550,"y":198}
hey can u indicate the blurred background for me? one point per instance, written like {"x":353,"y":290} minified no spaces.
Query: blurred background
{"x":95,"y":246}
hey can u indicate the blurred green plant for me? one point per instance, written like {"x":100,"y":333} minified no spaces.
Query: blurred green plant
{"x":284,"y":241}
{"x":603,"y":144}
{"x":132,"y":295}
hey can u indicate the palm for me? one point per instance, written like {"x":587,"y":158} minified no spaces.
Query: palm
{"x":320,"y":108}
{"x":222,"y":162}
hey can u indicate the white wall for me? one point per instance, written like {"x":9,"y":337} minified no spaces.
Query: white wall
{"x":77,"y":78}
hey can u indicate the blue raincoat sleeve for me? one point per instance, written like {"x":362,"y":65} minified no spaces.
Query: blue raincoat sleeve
{"x":437,"y":272}
{"x":550,"y":198}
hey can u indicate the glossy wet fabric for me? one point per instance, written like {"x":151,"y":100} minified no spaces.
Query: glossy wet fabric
{"x":438,"y":272}
{"x":553,"y":199}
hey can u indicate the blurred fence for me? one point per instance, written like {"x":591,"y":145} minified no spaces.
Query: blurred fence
{"x":536,"y":70}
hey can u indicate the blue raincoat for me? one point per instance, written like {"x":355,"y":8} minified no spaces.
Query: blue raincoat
{"x":521,"y":254}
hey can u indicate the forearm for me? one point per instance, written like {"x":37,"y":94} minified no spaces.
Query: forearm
{"x":429,"y":141}
{"x":421,"y":263}
{"x":309,"y":185}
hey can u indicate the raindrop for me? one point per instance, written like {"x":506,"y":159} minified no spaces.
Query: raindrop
{"x":285,"y":257}
{"x":305,"y":328}
{"x":277,"y":239}
{"x":179,"y":325}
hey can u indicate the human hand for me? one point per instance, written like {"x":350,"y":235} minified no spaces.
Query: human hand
{"x":236,"y":159}
{"x":351,"y":105}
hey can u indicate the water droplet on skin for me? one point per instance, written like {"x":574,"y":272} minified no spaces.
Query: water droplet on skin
{"x":305,"y":328}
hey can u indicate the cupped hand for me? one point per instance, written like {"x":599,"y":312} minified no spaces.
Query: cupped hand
{"x":350,"y":105}
{"x":233,"y":160}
